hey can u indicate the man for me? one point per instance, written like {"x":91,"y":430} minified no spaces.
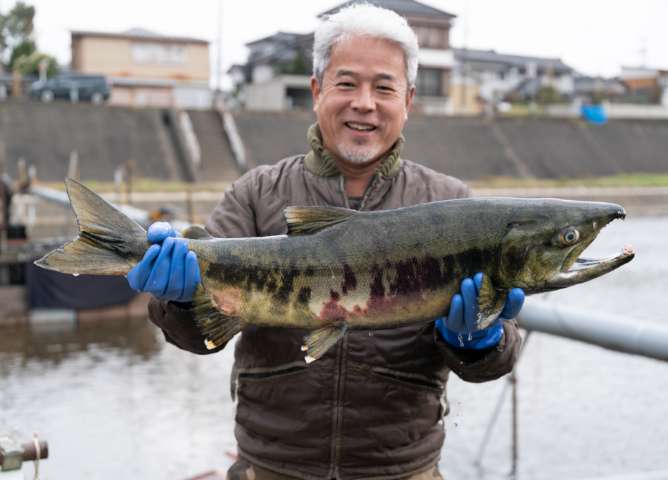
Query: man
{"x":372,"y":406}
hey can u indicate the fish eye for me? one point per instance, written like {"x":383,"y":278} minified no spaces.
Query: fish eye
{"x":569,"y":236}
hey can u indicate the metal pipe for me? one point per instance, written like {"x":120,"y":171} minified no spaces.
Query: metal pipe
{"x":605,"y":330}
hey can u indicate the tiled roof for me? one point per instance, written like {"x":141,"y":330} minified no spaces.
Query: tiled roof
{"x":138,"y":33}
{"x":285,"y":46}
{"x":491,"y":56}
{"x":402,"y":7}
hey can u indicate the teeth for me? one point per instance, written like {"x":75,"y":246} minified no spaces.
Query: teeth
{"x":360,"y":126}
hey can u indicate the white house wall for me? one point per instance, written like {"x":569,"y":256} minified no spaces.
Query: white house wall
{"x":265,"y":96}
{"x":429,"y":57}
{"x":198,"y":97}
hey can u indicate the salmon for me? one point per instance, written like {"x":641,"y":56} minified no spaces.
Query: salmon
{"x":337,"y":269}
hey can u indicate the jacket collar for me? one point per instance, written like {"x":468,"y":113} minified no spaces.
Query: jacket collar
{"x":321,"y":162}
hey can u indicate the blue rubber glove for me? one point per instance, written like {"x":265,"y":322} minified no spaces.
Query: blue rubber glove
{"x":168,"y":271}
{"x":459,"y":330}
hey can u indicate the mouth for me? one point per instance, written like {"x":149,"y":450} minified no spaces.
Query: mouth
{"x":360,"y":127}
{"x":578,"y":269}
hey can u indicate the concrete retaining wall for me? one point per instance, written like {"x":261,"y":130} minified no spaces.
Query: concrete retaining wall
{"x":471,"y":148}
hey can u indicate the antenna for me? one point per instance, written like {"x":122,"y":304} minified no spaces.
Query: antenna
{"x":219,"y":42}
{"x":643,"y":51}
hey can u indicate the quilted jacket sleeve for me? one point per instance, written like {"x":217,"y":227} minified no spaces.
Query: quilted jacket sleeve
{"x":232,"y":217}
{"x":484,"y":365}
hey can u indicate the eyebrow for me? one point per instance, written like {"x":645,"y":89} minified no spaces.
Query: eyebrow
{"x":380,"y":76}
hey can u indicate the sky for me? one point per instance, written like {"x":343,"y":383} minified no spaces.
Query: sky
{"x":596,"y":37}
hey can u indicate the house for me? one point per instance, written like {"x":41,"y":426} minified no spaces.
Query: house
{"x":646,"y":85}
{"x":276,"y":75}
{"x":597,"y":89}
{"x":146,"y":68}
{"x":277,"y":72}
{"x":485,"y":77}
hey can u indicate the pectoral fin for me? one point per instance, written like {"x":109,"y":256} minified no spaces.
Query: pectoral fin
{"x":490,"y":303}
{"x":321,"y":340}
{"x":217,"y":327}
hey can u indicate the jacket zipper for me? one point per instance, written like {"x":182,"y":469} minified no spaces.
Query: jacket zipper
{"x":340,"y":359}
{"x":338,"y":407}
{"x":367,"y":193}
{"x":369,"y":190}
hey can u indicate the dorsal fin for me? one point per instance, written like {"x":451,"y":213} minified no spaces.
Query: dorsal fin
{"x":196,"y":232}
{"x":306,"y":220}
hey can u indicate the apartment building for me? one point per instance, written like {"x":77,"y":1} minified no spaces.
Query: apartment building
{"x":146,"y":68}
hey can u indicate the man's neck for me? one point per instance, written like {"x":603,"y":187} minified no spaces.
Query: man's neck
{"x":357,"y":177}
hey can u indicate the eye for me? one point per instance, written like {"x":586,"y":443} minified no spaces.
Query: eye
{"x":569,"y":236}
{"x":347,"y":85}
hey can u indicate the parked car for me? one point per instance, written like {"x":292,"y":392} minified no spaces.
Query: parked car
{"x":85,"y":88}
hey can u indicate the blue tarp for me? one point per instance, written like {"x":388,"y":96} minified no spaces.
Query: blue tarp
{"x":594,"y":114}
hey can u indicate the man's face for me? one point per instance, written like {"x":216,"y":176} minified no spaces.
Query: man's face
{"x":364,"y":99}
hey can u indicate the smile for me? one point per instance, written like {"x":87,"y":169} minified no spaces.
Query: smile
{"x":360,"y":127}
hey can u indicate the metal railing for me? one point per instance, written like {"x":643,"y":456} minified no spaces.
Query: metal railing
{"x":14,"y":454}
{"x":604,"y":330}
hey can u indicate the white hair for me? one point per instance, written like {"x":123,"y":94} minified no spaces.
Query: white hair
{"x":368,"y":20}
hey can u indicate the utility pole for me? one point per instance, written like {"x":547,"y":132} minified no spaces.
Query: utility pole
{"x":219,"y":53}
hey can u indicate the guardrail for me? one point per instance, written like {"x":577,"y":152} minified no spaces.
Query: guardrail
{"x":607,"y":331}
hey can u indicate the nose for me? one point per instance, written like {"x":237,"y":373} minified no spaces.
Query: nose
{"x":363,"y":100}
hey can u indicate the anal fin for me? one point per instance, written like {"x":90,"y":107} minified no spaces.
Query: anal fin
{"x":319,"y":341}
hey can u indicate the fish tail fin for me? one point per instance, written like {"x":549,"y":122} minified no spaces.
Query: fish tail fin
{"x":217,"y":327}
{"x":109,"y":242}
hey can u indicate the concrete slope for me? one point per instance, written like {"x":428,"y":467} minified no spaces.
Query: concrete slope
{"x":105,"y":138}
{"x":473,"y":148}
{"x":217,"y":161}
{"x":271,"y":136}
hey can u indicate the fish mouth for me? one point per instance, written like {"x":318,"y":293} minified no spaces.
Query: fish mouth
{"x":578,"y":269}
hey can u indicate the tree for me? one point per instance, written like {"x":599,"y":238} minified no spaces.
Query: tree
{"x":547,"y":94}
{"x":16,"y":33}
{"x":23,"y":49}
{"x":18,"y":50}
{"x":29,"y":64}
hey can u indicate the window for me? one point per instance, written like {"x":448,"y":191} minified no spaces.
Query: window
{"x":158,"y":53}
{"x":429,"y":82}
{"x":431,"y":37}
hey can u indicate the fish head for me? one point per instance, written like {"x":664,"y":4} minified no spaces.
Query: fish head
{"x":541,"y":249}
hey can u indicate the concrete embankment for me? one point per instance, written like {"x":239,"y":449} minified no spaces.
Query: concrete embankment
{"x":475,"y":148}
{"x":194,"y":145}
{"x":161,"y":144}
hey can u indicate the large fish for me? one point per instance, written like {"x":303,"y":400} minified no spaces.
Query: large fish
{"x":339,"y":268}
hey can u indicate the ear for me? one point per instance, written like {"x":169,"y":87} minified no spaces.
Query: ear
{"x":315,"y":92}
{"x":409,"y":100}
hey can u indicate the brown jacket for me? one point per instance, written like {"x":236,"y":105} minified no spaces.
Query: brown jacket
{"x":372,"y":407}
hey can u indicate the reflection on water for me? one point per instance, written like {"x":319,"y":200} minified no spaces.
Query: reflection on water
{"x":55,"y":343}
{"x":115,"y":401}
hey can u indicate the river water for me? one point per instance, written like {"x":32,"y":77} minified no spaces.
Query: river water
{"x":116,"y":402}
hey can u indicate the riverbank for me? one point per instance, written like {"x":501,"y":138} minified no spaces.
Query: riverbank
{"x":47,"y":220}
